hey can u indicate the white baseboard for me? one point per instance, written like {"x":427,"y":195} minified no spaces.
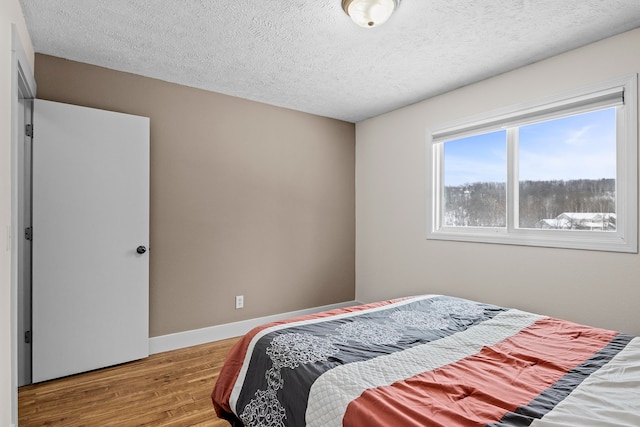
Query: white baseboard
{"x":228,"y":330}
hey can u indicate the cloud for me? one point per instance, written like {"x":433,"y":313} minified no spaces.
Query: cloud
{"x":462,"y":170}
{"x":567,"y":165}
{"x":579,"y":137}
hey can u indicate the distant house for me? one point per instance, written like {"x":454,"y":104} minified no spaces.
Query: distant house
{"x":554,"y":224}
{"x":580,"y":221}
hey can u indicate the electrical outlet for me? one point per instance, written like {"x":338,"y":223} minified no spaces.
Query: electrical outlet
{"x":239,"y":301}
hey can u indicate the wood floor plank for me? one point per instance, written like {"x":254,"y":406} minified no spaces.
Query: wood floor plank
{"x":165,"y":389}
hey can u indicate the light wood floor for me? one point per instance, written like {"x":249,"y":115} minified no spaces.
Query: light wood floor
{"x":166,"y":389}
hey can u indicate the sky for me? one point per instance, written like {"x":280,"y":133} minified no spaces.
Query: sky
{"x":582,"y":146}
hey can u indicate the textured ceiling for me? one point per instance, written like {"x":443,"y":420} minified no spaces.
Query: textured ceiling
{"x":307,"y":55}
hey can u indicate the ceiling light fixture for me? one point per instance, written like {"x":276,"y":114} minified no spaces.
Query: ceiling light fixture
{"x":369,"y":13}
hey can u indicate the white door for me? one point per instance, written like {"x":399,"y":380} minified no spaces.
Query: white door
{"x":90,"y":221}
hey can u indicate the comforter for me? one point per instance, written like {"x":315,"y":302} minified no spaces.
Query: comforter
{"x":430,"y":361}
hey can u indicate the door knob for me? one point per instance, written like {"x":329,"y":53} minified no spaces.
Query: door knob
{"x":141,"y":250}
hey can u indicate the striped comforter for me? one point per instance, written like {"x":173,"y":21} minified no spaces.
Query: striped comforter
{"x":430,"y":361}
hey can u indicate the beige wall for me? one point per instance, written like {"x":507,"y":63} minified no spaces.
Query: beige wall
{"x":246,"y":198}
{"x":393,"y":257}
{"x":10,"y":13}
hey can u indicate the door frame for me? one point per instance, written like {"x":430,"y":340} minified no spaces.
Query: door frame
{"x":23,"y":244}
{"x":23,"y":85}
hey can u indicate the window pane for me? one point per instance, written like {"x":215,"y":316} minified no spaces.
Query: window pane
{"x":475,"y":170}
{"x":567,"y":173}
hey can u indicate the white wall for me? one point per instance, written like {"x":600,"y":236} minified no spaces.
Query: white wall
{"x":10,"y":13}
{"x":393,"y":258}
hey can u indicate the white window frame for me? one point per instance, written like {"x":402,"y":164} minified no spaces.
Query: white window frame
{"x":621,"y":93}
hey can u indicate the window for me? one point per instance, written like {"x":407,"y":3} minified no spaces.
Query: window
{"x":561,"y":172}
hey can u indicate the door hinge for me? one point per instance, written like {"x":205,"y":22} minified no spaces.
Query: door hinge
{"x":28,"y":233}
{"x":28,"y":130}
{"x":27,"y":337}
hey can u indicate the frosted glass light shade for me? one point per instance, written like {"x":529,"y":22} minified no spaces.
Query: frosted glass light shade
{"x":369,"y":13}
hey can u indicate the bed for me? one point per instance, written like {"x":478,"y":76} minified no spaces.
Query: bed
{"x":430,"y":360}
